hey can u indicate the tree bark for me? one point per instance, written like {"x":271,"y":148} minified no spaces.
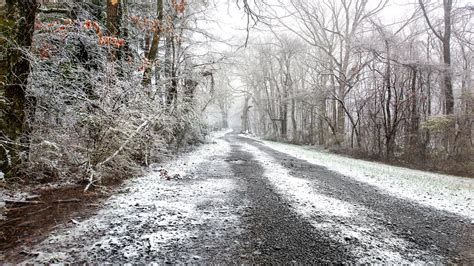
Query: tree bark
{"x":284,"y":114}
{"x":445,"y":39}
{"x":114,"y":24}
{"x":152,"y":53}
{"x":17,"y":19}
{"x":171,"y":84}
{"x":284,"y":121}
{"x":388,"y":125}
{"x":114,"y":15}
{"x":245,"y":114}
{"x":448,"y":92}
{"x":321,"y":128}
{"x":414,"y":116}
{"x":293,"y":121}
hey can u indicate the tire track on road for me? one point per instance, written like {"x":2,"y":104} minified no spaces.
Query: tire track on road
{"x":437,"y":232}
{"x":275,"y":233}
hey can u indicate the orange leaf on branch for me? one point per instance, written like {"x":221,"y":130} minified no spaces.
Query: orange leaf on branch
{"x":88,"y":24}
{"x":96,"y":27}
{"x":120,"y":42}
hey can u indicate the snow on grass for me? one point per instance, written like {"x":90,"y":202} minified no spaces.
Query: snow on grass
{"x":343,"y":221}
{"x":445,"y":192}
{"x":186,"y":165}
{"x":202,"y":154}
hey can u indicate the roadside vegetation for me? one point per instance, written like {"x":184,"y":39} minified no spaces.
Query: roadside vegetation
{"x":92,"y":91}
{"x":353,"y":77}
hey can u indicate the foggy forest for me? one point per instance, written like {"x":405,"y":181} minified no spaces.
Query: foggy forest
{"x":237,"y":131}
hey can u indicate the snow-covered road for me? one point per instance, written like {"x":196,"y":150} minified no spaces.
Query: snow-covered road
{"x":444,"y":192}
{"x":242,"y":200}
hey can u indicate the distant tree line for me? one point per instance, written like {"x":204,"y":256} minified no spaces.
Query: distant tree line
{"x":333,"y":74}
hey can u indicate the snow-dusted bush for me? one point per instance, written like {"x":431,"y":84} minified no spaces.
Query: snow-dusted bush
{"x":90,"y":116}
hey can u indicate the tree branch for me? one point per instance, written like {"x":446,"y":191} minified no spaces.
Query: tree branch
{"x":428,"y":20}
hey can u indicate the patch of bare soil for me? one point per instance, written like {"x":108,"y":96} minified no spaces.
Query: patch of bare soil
{"x":30,"y":221}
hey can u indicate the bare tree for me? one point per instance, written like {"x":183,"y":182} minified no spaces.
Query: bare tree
{"x":445,"y":39}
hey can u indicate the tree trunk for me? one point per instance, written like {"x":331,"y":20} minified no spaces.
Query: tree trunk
{"x":284,"y":115}
{"x":448,"y":91}
{"x":245,"y":115}
{"x":114,"y":15}
{"x":445,"y":39}
{"x":334,"y":107}
{"x":124,"y":31}
{"x":114,"y":23}
{"x":284,"y":121}
{"x":414,"y":116}
{"x":388,"y":125}
{"x":152,"y":53}
{"x":340,"y":117}
{"x":293,"y":121}
{"x":170,"y":85}
{"x":321,"y":130}
{"x":17,"y":19}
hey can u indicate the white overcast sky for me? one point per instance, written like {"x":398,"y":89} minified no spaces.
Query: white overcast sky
{"x":229,"y":22}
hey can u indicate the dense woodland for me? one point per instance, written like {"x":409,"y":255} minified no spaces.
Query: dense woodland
{"x":93,"y":89}
{"x":339,"y":75}
{"x":96,"y":89}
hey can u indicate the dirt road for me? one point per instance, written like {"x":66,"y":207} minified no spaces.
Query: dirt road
{"x":237,"y":200}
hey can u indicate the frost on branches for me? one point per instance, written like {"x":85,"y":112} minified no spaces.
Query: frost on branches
{"x":90,"y":116}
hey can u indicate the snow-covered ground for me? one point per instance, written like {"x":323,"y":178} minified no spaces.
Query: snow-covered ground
{"x":208,"y":212}
{"x":445,"y":192}
{"x":343,"y":221}
{"x":154,"y":216}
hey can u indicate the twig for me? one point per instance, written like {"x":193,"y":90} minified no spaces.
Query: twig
{"x":137,"y":130}
{"x":17,"y":208}
{"x":144,"y":124}
{"x":91,"y":180}
{"x":67,"y":201}
{"x":24,"y":202}
{"x":32,"y":213}
{"x":9,"y":221}
{"x":28,"y":253}
{"x":54,"y":10}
